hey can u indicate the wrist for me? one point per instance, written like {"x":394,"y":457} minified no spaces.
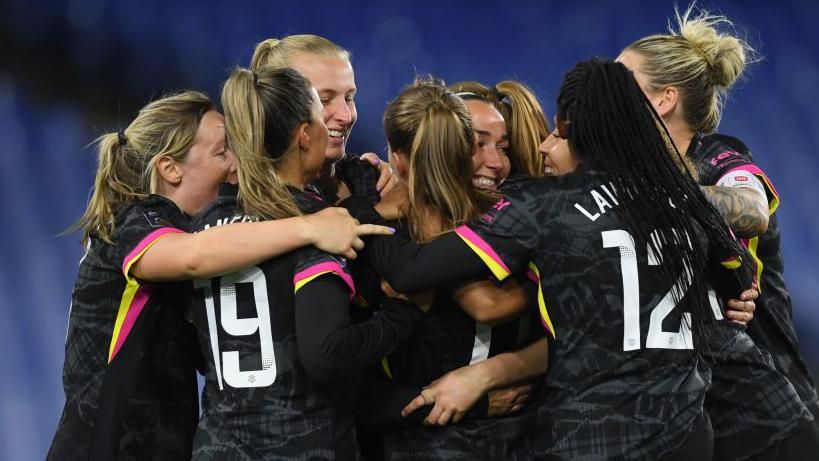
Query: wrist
{"x":306,"y":231}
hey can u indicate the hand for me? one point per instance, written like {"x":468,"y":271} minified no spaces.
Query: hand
{"x":451,"y":395}
{"x":508,"y":399}
{"x":395,"y":204}
{"x":423,"y":300}
{"x":742,"y":310}
{"x":386,"y":179}
{"x":333,"y":230}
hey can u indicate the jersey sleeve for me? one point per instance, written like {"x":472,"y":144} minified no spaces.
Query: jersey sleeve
{"x":730,"y":272}
{"x":138,"y":227}
{"x":312,"y":263}
{"x":732,"y":165}
{"x":142,"y":225}
{"x":503,"y":237}
{"x":330,"y":345}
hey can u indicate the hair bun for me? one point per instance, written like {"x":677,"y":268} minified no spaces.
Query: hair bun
{"x":725,"y":54}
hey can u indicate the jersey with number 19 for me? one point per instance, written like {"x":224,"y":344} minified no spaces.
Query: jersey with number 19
{"x":279,"y":343}
{"x":624,"y":379}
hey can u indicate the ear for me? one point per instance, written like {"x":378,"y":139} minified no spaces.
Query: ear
{"x":666,"y":101}
{"x":303,"y":136}
{"x":169,"y":170}
{"x":400,"y":163}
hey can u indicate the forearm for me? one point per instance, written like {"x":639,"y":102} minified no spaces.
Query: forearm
{"x":221,"y":249}
{"x":488,"y":303}
{"x":330,"y":345}
{"x":744,"y":209}
{"x":512,"y":367}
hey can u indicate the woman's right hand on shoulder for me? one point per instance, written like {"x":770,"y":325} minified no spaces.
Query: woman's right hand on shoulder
{"x":333,"y":230}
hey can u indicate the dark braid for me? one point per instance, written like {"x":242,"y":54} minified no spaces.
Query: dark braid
{"x":612,"y":127}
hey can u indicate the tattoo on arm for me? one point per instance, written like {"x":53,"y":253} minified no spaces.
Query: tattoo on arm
{"x":745,"y":210}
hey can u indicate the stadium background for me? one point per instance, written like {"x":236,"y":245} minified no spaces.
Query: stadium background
{"x":72,"y":70}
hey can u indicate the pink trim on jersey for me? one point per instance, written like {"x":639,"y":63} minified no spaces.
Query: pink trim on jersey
{"x":470,"y":235}
{"x":143,"y":245}
{"x":756,"y":171}
{"x":325,"y":267}
{"x":143,"y":294}
{"x":530,"y":274}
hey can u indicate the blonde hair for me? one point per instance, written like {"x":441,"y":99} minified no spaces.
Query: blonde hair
{"x":263,"y":111}
{"x":432,"y":127}
{"x":698,"y":59}
{"x":126,"y":161}
{"x":276,"y":52}
{"x":526,"y":122}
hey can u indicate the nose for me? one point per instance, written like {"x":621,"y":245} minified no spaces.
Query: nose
{"x":492,"y":159}
{"x":341,"y":112}
{"x":546,"y":145}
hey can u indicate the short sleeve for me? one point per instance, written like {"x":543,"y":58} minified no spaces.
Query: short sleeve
{"x":141,"y":225}
{"x":312,"y":263}
{"x":729,"y":161}
{"x":504,"y":236}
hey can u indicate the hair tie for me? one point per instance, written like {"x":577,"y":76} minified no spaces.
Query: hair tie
{"x":123,"y":140}
{"x":500,"y":97}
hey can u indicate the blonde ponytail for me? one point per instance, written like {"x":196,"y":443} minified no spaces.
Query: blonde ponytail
{"x":262,"y":112}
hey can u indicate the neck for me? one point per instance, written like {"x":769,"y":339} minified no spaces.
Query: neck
{"x":178,"y":197}
{"x":290,"y":170}
{"x":681,"y":135}
{"x":431,"y":222}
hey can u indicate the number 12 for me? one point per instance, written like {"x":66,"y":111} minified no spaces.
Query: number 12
{"x":656,"y":338}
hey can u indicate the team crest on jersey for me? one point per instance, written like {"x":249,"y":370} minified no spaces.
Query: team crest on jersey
{"x":340,"y":260}
{"x":155,"y":219}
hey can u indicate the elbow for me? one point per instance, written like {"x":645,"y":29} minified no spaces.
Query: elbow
{"x":193,"y":264}
{"x":319,"y":365}
{"x":487,"y":315}
{"x":756,"y":223}
{"x":403,"y":281}
{"x":764,"y":219}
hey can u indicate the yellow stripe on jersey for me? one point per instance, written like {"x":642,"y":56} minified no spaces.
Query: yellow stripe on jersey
{"x":541,"y":303}
{"x":300,"y":283}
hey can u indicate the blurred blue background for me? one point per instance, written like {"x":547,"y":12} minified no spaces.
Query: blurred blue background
{"x":70,"y":71}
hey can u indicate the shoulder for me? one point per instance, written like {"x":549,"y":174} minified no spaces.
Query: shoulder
{"x":148,"y":215}
{"x":308,"y":200}
{"x":719,"y":152}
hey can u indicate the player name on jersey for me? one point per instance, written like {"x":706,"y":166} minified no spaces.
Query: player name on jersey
{"x":603,"y":201}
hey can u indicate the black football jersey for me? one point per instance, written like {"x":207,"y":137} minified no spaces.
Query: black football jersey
{"x":625,"y":379}
{"x":772,"y":329}
{"x":129,"y":375}
{"x":262,"y":403}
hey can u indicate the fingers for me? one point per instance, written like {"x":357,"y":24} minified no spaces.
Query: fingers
{"x":750,"y":294}
{"x":371,"y":157}
{"x":415,"y":404}
{"x":358,"y":244}
{"x":350,"y":254}
{"x":372,"y":229}
{"x":743,"y":306}
{"x":391,"y":184}
{"x":739,"y":317}
{"x":445,"y":417}
{"x":435,"y":415}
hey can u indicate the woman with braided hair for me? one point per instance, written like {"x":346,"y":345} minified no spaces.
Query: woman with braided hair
{"x":623,"y":272}
{"x":686,"y":75}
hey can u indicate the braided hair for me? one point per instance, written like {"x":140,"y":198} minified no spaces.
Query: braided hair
{"x":612,"y":127}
